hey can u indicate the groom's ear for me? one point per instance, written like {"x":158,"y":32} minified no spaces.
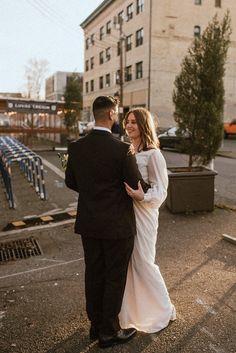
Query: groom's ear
{"x":110,"y":114}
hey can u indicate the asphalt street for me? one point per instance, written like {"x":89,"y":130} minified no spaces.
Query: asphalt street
{"x":42,"y":307}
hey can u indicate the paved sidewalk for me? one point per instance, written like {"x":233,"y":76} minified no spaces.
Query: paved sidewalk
{"x":42,"y":307}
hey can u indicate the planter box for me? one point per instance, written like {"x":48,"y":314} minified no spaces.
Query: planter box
{"x":190,"y":191}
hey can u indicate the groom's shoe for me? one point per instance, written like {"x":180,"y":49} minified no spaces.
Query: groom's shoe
{"x":119,"y":337}
{"x":93,"y":333}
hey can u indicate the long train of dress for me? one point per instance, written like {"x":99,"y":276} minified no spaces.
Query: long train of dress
{"x":146,"y":303}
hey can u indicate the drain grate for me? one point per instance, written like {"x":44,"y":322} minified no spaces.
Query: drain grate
{"x":19,"y":249}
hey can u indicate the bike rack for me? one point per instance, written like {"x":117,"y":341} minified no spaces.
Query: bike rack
{"x":13,"y":151}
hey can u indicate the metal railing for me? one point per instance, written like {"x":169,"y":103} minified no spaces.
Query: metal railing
{"x":13,"y":151}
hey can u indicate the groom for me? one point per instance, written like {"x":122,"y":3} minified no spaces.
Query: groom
{"x":98,"y":165}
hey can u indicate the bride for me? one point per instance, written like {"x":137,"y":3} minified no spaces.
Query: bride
{"x":146,"y":303}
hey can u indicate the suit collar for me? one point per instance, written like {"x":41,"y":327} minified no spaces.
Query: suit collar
{"x":100,"y":132}
{"x":100,"y":128}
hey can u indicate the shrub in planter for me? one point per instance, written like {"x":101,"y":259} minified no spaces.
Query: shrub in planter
{"x":198,"y":98}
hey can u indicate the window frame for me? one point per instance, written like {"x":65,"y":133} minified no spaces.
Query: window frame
{"x":137,"y":70}
{"x":107,"y":80}
{"x":101,"y":32}
{"x":197,"y":31}
{"x":92,"y":39}
{"x":108,"y":27}
{"x":128,"y":43}
{"x":118,"y":76}
{"x":101,"y":82}
{"x":108,"y":54}
{"x":128,"y":73}
{"x":139,"y":6}
{"x":101,"y":57}
{"x":87,"y":43}
{"x":139,"y":38}
{"x":130,"y":11}
{"x":91,"y":85}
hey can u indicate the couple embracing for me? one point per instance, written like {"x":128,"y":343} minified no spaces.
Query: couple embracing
{"x":121,"y":188}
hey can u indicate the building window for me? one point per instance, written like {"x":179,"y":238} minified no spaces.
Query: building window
{"x":108,"y":80}
{"x":87,"y":43}
{"x":91,"y":62}
{"x":101,"y":82}
{"x":86,"y":87}
{"x":139,"y":70}
{"x":101,"y":33}
{"x":92,"y":39}
{"x":217,"y":3}
{"x":92,"y":85}
{"x":129,"y":12}
{"x":120,"y":16}
{"x":140,"y":6}
{"x":108,"y":54}
{"x":101,"y":57}
{"x":118,"y":77}
{"x":108,"y":27}
{"x":118,"y":48}
{"x":86,"y":65}
{"x":128,"y":43}
{"x":197,"y":2}
{"x":128,"y":73}
{"x":139,"y":37}
{"x":197,"y":31}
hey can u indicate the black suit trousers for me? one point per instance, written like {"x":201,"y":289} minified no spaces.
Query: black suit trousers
{"x":106,"y":264}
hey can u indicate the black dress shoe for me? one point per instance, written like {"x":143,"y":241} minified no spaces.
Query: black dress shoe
{"x":93,"y":333}
{"x":121,"y":336}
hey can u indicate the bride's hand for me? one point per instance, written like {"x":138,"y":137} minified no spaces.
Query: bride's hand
{"x":136,"y":194}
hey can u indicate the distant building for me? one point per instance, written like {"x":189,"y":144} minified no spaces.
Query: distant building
{"x":10,"y":95}
{"x":155,"y":36}
{"x":56,"y":84}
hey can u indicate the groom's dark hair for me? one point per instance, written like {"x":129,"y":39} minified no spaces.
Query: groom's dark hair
{"x":102,"y":104}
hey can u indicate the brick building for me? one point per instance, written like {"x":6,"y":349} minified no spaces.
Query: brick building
{"x":154,"y":37}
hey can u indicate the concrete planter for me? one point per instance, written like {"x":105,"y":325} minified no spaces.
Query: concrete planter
{"x":190,"y":191}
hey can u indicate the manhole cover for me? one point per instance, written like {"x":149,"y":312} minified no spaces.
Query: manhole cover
{"x":19,"y":249}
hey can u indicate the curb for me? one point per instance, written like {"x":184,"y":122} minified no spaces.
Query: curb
{"x":227,"y":154}
{"x":40,"y":221}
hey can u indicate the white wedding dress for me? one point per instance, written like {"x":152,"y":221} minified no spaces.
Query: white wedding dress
{"x":146,"y":304}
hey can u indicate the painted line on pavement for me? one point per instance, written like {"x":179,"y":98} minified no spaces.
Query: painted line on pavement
{"x":40,"y":269}
{"x":53,"y":168}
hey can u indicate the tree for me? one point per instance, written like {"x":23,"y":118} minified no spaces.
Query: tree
{"x":73,"y":100}
{"x":198,"y":95}
{"x":35,"y":72}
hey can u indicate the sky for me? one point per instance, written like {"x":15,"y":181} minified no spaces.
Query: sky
{"x":43,"y":30}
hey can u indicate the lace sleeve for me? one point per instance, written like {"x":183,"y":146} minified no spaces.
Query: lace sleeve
{"x":158,"y":179}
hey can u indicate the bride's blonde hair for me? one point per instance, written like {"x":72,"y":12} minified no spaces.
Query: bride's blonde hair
{"x":146,"y":127}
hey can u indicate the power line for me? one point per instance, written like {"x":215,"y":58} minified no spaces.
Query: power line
{"x":48,"y":16}
{"x":53,"y":12}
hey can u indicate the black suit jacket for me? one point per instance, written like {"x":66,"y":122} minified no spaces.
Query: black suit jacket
{"x":98,"y":165}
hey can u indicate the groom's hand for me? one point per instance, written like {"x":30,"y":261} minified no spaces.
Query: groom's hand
{"x":137,"y":194}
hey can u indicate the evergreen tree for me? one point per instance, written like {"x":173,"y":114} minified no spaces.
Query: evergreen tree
{"x":73,"y":100}
{"x":198,"y":95}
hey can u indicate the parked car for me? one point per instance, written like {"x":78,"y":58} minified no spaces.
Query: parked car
{"x":89,"y":127}
{"x":170,"y":139}
{"x":82,"y":126}
{"x":230,"y":128}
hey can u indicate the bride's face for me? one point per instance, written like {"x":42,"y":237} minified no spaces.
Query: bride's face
{"x":132,"y":128}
